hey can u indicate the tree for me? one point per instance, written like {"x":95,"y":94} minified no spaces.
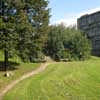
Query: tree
{"x":77,"y":43}
{"x":38,"y":14}
{"x":67,"y":44}
{"x":26,"y":34}
{"x":8,"y":36}
{"x":55,"y":47}
{"x":28,"y":21}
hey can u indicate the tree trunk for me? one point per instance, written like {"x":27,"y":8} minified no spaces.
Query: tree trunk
{"x":5,"y":60}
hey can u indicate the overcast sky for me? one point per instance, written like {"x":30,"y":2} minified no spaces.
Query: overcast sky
{"x":67,"y":11}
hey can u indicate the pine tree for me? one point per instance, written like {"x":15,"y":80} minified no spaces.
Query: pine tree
{"x":38,"y":14}
{"x":26,"y":34}
{"x":8,"y":36}
{"x":24,"y":26}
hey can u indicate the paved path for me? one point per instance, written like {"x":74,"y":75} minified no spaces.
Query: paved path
{"x":10,"y":86}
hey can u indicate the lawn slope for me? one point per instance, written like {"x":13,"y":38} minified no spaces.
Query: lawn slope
{"x":61,"y":81}
{"x":18,"y":69}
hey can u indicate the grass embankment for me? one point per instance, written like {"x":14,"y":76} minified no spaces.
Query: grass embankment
{"x":18,"y":69}
{"x":61,"y":81}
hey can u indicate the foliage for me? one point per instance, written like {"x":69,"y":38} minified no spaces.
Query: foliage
{"x":67,"y":43}
{"x":8,"y":37}
{"x":34,"y":26}
{"x":78,"y":44}
{"x":26,"y":34}
{"x":29,"y":27}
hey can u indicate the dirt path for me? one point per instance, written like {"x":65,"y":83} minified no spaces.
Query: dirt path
{"x":10,"y":86}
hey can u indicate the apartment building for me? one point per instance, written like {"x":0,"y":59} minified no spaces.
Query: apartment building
{"x":90,"y":24}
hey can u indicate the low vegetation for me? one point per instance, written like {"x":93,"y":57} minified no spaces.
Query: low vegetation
{"x":61,"y":81}
{"x":17,"y":68}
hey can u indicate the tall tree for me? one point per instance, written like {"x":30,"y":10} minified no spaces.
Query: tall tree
{"x":26,"y":34}
{"x":8,"y":36}
{"x":24,"y":26}
{"x":38,"y":14}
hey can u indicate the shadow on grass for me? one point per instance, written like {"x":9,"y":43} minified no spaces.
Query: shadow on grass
{"x":11,"y":66}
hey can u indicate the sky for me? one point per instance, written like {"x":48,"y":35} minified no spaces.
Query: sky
{"x":67,"y":11}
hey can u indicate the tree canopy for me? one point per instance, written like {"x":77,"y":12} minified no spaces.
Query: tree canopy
{"x":25,"y":32}
{"x":67,"y":43}
{"x":24,"y":25}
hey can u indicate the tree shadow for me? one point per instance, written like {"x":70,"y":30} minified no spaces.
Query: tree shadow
{"x":11,"y":66}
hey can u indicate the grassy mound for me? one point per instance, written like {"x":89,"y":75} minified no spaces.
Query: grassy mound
{"x":17,"y":68}
{"x":61,"y":81}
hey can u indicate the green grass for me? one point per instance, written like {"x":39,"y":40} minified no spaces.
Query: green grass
{"x":20,"y":69}
{"x":62,"y":81}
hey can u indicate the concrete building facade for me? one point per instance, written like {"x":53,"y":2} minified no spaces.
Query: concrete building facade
{"x":90,"y":24}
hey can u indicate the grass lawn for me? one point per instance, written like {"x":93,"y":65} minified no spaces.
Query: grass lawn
{"x":61,"y":81}
{"x":20,"y":69}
